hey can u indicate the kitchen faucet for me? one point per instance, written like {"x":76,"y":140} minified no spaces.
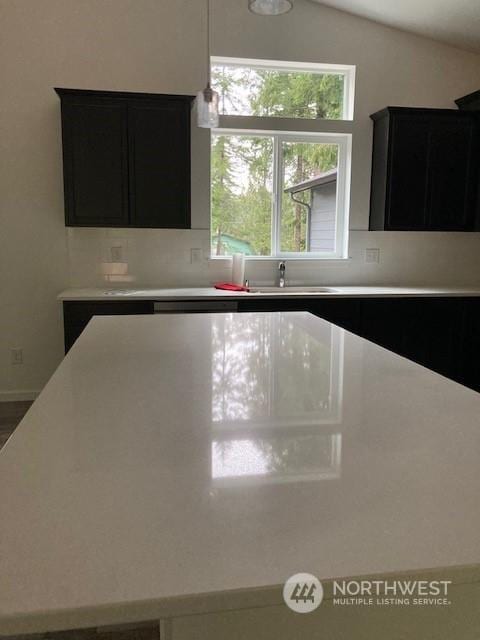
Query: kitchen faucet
{"x":281,"y":274}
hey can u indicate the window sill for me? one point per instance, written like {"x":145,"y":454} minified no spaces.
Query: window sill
{"x":285,"y":258}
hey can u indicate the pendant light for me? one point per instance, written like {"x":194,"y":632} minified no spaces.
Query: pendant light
{"x":270,"y":7}
{"x":207,"y":100}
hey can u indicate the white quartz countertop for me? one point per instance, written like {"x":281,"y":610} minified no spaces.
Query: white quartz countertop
{"x":173,"y":457}
{"x":210,"y":293}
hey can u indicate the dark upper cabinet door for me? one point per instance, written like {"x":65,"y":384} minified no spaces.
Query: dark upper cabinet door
{"x":159,"y":163}
{"x":424,"y":170}
{"x":95,"y":162}
{"x":126,"y":159}
{"x":452,"y":176}
{"x":472,"y":103}
{"x":407,"y":179}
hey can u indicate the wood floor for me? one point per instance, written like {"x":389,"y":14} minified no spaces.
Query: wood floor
{"x":10,"y":415}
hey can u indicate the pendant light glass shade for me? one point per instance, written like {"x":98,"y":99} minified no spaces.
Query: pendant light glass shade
{"x":207,"y":108}
{"x":207,"y":100}
{"x":270,"y":7}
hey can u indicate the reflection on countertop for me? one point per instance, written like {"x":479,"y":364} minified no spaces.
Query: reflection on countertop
{"x":270,"y":407}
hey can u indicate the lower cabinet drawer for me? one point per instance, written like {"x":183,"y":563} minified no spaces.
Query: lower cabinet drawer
{"x":460,"y":619}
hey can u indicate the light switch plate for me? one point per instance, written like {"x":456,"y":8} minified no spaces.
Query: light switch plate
{"x":16,"y":356}
{"x":372,"y":256}
{"x":117,"y":253}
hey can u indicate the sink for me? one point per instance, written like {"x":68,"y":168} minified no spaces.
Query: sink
{"x":304,"y":289}
{"x":119,"y":292}
{"x":125,"y":292}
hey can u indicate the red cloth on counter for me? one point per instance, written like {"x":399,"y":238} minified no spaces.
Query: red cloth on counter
{"x":229,"y":286}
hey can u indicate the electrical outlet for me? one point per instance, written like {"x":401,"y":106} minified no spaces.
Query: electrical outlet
{"x":372,"y":256}
{"x":196,"y":256}
{"x":117,"y":254}
{"x":16,"y":356}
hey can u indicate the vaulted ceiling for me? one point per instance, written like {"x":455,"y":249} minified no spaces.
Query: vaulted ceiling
{"x":456,"y":22}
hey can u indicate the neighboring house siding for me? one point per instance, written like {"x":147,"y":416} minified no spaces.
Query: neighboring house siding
{"x":322,"y":224}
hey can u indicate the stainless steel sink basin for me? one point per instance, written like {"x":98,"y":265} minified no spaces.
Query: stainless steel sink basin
{"x":126,"y":292}
{"x":119,"y":292}
{"x":292,"y":290}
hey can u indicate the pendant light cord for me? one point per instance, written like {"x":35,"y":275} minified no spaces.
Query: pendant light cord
{"x":208,"y":44}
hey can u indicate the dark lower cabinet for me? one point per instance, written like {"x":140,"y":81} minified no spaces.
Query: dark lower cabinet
{"x":384,"y":321}
{"x":274,"y":304}
{"x":439,"y":323}
{"x":76,"y":315}
{"x":469,"y":360}
{"x":442,"y":334}
{"x":344,"y":312}
{"x":425,"y":330}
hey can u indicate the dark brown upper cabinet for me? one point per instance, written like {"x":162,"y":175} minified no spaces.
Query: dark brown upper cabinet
{"x":471,"y":102}
{"x":126,"y":159}
{"x":424,"y":170}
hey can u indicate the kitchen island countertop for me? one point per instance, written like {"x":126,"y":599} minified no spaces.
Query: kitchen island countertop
{"x":180,"y":463}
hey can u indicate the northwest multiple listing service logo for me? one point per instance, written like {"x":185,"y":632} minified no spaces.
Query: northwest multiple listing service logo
{"x":303,"y":593}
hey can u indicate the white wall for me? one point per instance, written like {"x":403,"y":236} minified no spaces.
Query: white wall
{"x":158,"y":46}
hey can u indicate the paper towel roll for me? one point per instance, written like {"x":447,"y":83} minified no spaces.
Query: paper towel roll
{"x":114,"y":268}
{"x":238,"y":268}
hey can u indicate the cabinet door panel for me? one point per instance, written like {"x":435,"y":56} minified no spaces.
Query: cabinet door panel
{"x":274,"y":304}
{"x":424,"y":330}
{"x":426,"y":169}
{"x":437,"y":329}
{"x":469,"y":368}
{"x":343,"y":312}
{"x":407,"y":192}
{"x":383,"y":321}
{"x":159,"y":164}
{"x":95,"y":163}
{"x":452,"y":175}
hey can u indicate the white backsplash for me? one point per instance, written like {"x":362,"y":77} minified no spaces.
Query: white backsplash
{"x":162,"y":258}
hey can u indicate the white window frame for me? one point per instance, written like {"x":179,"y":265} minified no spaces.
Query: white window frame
{"x":337,"y":132}
{"x":347,"y":71}
{"x":343,"y":141}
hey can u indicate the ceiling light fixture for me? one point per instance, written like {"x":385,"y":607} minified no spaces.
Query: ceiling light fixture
{"x":207,"y":100}
{"x":270,"y":7}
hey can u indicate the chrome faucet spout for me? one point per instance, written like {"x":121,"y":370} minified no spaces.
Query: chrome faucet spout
{"x":281,"y":274}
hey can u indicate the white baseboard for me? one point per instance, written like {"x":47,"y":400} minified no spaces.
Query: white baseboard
{"x":18,"y":396}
